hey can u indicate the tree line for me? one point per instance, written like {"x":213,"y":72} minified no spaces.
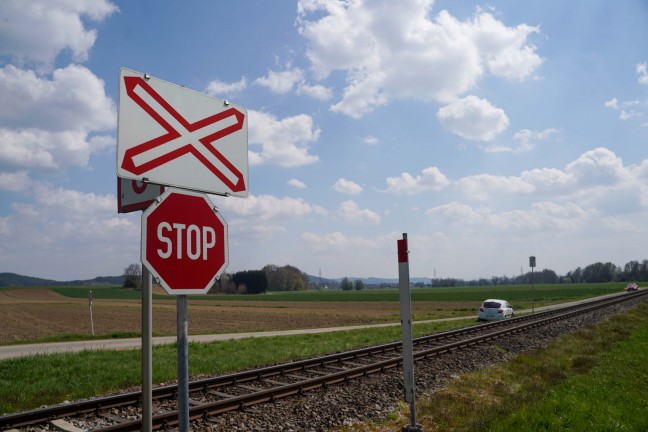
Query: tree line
{"x":290,"y":278}
{"x":633,"y":271}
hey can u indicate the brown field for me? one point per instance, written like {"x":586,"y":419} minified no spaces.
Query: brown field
{"x":29,"y":314}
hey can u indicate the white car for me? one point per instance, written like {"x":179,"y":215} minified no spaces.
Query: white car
{"x":494,"y":309}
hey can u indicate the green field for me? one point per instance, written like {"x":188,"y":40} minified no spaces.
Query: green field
{"x":512,"y":293}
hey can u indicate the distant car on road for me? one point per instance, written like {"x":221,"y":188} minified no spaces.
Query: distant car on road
{"x":632,"y":287}
{"x":495,"y":309}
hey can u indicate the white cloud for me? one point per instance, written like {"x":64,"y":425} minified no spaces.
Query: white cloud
{"x":473,"y":118}
{"x":370,"y":140}
{"x":39,"y":150}
{"x":505,"y":50}
{"x":15,"y":181}
{"x":642,"y":71}
{"x":527,"y":140}
{"x":297,"y":183}
{"x":430,"y":179}
{"x":284,"y":142}
{"x":539,"y":216}
{"x":219,"y":89}
{"x":401,"y":52}
{"x":74,"y":99}
{"x":268,"y":207}
{"x":316,"y":91}
{"x":337,"y":241}
{"x":281,"y":82}
{"x":38,"y":30}
{"x":485,"y":186}
{"x":633,"y":108}
{"x":293,"y":80}
{"x":597,"y":167}
{"x":351,"y":212}
{"x":348,"y":187}
{"x":612,"y":103}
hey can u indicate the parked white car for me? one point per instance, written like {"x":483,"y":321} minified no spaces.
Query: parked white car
{"x":495,"y":309}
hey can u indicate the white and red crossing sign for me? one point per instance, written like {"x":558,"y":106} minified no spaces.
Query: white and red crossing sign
{"x":184,"y":242}
{"x":170,"y":135}
{"x":133,"y":195}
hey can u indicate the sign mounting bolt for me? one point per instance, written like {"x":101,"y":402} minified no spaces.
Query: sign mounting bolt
{"x":147,"y":76}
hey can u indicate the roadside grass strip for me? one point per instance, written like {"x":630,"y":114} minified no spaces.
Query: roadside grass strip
{"x":595,"y":379}
{"x":29,"y":382}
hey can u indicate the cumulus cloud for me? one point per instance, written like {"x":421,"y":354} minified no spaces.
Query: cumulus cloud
{"x":281,"y":82}
{"x":595,"y":181}
{"x":597,"y":167}
{"x":351,"y":212}
{"x":74,"y":99}
{"x":430,"y":179}
{"x":348,"y":187}
{"x":293,"y":80}
{"x":283,"y":142}
{"x":17,"y":181}
{"x":370,"y":140}
{"x":404,"y":52}
{"x":38,"y":30}
{"x":642,"y":71}
{"x":539,"y":216}
{"x":297,"y":183}
{"x":526,"y":139}
{"x":473,"y":118}
{"x":484,"y":186}
{"x":337,"y":241}
{"x":34,"y":149}
{"x":268,"y":207}
{"x":219,"y":89}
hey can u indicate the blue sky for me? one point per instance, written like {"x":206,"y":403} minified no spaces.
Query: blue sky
{"x":488,"y":132}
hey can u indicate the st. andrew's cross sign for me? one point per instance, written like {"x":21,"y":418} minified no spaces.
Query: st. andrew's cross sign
{"x":170,"y":135}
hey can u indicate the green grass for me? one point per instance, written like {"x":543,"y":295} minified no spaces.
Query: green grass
{"x":103,"y":292}
{"x":509,"y":292}
{"x":28,"y":382}
{"x":595,"y":379}
{"x":512,"y":293}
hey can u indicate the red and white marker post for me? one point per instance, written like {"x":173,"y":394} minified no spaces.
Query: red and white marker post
{"x":406,"y":332}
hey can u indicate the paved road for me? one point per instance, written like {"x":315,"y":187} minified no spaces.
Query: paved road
{"x":12,"y":351}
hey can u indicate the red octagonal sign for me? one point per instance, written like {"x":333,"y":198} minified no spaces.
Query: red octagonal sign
{"x":184,"y":242}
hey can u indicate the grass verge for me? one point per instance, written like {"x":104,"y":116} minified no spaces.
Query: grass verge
{"x":595,"y":379}
{"x":29,"y":382}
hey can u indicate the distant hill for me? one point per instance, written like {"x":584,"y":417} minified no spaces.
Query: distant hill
{"x":13,"y":279}
{"x":366,"y":281}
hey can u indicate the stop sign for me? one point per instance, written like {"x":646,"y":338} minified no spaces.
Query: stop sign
{"x":184,"y":242}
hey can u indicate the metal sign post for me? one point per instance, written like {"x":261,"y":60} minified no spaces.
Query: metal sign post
{"x":147,"y":350}
{"x":406,"y":331}
{"x":183,"y":364}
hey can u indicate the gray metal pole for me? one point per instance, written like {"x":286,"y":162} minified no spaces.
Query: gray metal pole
{"x":147,"y":350}
{"x":406,"y":333}
{"x":183,"y":364}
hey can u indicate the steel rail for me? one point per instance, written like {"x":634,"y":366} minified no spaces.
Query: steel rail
{"x":237,"y":402}
{"x":170,"y":419}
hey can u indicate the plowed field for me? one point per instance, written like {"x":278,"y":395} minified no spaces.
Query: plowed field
{"x":33,"y":313}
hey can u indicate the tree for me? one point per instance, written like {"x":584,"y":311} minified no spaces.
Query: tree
{"x":254,"y":281}
{"x":346,"y":284}
{"x":286,"y":278}
{"x":132,"y":276}
{"x":358,"y":285}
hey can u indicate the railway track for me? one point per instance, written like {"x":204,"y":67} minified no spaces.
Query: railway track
{"x":210,"y":397}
